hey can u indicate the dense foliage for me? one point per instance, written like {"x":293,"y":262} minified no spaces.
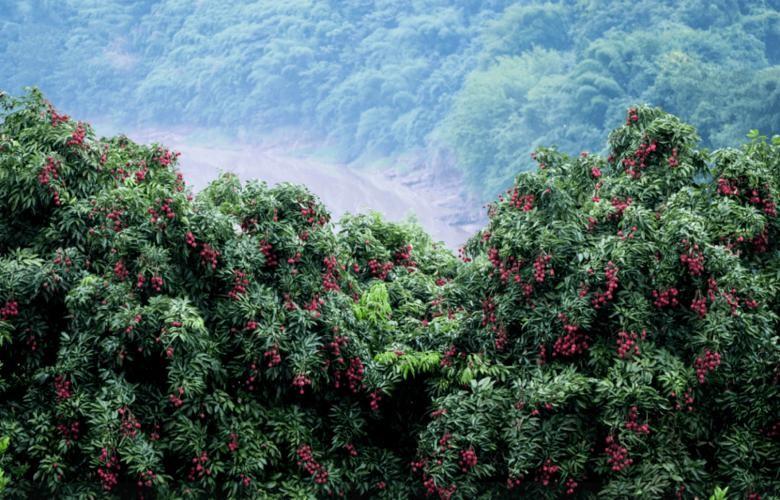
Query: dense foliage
{"x":163,"y":343}
{"x":611,"y":333}
{"x":3,"y":478}
{"x":489,"y":79}
{"x":628,"y":310}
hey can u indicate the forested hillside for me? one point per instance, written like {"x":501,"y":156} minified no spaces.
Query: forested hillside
{"x":489,"y":80}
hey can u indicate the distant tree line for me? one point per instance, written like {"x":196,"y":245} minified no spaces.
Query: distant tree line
{"x":491,"y":80}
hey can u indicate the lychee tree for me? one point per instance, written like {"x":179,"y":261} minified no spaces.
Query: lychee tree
{"x":611,"y":333}
{"x":157,"y":344}
{"x":620,"y":331}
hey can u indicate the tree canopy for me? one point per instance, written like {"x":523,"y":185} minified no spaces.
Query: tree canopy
{"x":490,"y":80}
{"x":612,"y":332}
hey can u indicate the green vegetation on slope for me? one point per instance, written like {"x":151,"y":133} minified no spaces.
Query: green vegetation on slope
{"x":491,"y":80}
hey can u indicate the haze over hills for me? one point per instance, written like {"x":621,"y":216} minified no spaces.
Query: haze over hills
{"x":392,"y":83}
{"x":431,"y":194}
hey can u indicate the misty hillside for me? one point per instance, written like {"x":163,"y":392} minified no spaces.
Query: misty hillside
{"x":487,"y":80}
